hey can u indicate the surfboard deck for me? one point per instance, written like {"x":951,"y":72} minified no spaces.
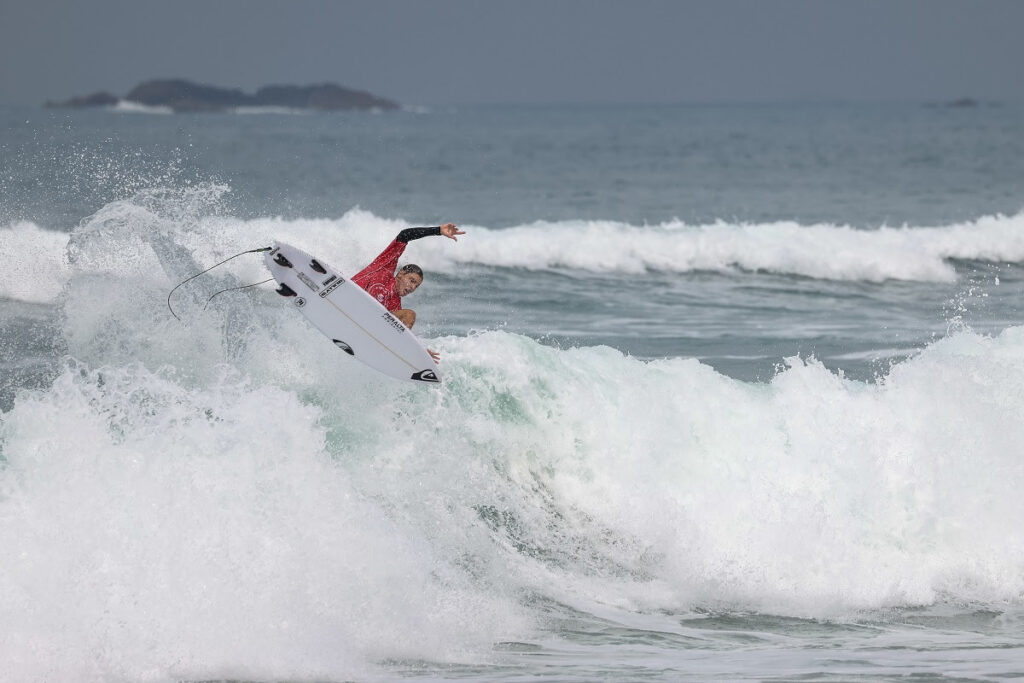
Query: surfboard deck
{"x":349,"y":316}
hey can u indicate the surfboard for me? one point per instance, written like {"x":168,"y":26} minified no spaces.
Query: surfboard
{"x":349,"y":316}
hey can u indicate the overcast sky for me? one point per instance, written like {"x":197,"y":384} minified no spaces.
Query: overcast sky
{"x":467,"y":51}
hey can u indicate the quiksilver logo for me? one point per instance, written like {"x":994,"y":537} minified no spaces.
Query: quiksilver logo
{"x":426,"y":376}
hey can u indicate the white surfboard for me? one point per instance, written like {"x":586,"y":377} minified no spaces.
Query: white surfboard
{"x":349,"y":316}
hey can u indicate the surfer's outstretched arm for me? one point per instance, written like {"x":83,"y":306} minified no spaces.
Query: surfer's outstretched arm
{"x":448,"y":230}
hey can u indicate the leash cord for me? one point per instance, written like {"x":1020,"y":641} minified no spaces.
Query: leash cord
{"x":251,"y":251}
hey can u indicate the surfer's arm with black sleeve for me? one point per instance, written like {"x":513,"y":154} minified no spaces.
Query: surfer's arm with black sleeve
{"x":382,"y":270}
{"x":410,"y":234}
{"x":448,"y":230}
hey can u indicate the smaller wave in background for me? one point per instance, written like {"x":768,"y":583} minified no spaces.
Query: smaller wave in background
{"x":826,"y":252}
{"x":829,"y":252}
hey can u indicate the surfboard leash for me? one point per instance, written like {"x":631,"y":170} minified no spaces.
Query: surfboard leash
{"x":231,"y":289}
{"x":242,"y":253}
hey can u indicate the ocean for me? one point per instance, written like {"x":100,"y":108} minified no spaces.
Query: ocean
{"x":732,"y":392}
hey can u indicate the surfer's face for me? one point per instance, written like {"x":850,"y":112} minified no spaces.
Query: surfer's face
{"x":406,"y":283}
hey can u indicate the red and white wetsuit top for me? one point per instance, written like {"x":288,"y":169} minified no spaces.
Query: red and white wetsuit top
{"x":378,"y":278}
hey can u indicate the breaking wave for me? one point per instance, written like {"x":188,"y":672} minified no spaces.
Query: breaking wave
{"x":231,"y":497}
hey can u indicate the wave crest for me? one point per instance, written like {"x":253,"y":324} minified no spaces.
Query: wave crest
{"x":832,"y":252}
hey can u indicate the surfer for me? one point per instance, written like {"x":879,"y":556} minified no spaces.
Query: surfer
{"x":387,"y":286}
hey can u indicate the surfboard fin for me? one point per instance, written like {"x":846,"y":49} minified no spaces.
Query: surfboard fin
{"x":285,"y":290}
{"x":315,"y":265}
{"x":282,"y":261}
{"x":344,"y":347}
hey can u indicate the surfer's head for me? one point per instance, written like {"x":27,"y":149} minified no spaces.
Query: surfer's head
{"x":408,"y":278}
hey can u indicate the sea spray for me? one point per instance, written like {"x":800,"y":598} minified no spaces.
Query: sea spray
{"x":40,"y":269}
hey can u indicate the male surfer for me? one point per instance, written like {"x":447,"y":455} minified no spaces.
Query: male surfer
{"x":388,"y":287}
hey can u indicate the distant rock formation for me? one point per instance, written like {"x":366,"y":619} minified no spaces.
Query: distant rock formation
{"x":324,"y":96}
{"x":186,"y":96}
{"x":182,"y":95}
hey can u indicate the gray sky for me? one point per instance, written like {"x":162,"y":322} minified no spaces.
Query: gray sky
{"x":464,"y":51}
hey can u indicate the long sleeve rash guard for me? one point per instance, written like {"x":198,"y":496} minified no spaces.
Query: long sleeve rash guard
{"x":378,"y":278}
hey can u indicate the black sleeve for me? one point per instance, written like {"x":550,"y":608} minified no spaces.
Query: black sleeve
{"x":410,"y":234}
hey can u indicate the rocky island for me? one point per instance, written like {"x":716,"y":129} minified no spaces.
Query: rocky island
{"x":185,"y":96}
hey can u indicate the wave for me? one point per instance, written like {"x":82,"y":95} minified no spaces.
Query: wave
{"x":190,"y":511}
{"x":230,"y":497}
{"x":830,"y":252}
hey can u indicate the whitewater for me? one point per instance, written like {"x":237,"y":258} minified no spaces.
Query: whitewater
{"x":668,"y":446}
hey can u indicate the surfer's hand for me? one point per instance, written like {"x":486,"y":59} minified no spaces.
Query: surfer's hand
{"x":449,"y":230}
{"x":435,"y":355}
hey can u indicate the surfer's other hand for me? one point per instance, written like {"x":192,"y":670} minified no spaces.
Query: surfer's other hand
{"x":435,"y":355}
{"x":449,"y":230}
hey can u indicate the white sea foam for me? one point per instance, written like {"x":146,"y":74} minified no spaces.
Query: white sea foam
{"x":261,"y":524}
{"x":812,"y":495}
{"x":155,"y":530}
